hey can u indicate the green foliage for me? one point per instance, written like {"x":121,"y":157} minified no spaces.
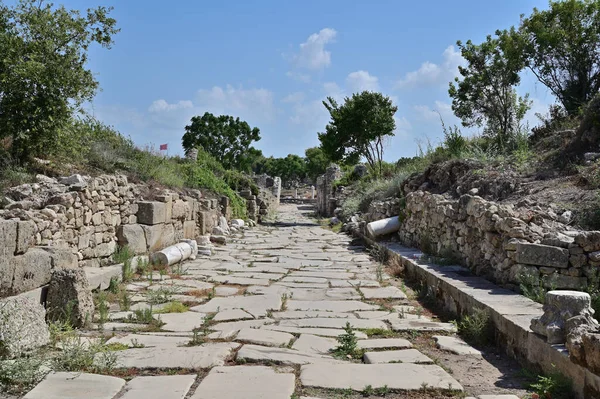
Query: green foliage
{"x":562,"y":48}
{"x":485,"y":95}
{"x":358,"y":128}
{"x":173,"y":307}
{"x":20,"y":375}
{"x":43,"y":79}
{"x":476,"y":327}
{"x":224,"y":137}
{"x":316,"y":162}
{"x":78,"y":355}
{"x":290,"y":168}
{"x":552,"y":386}
{"x":531,"y":287}
{"x":348,"y":344}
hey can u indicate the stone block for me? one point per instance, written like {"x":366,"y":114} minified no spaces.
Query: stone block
{"x":31,"y":270}
{"x":26,"y":230}
{"x":132,"y":235}
{"x":151,"y":212}
{"x":158,"y":236}
{"x":179,"y":210}
{"x":70,"y":289}
{"x":189,"y":229}
{"x":22,"y":326}
{"x":563,"y":282}
{"x":61,"y":258}
{"x":7,"y":273}
{"x":542,"y":255}
{"x":8,"y":237}
{"x":105,"y":249}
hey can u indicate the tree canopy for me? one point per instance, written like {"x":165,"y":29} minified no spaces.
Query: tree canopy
{"x":316,"y":162}
{"x":43,"y":74}
{"x":226,"y":138}
{"x":358,"y":128}
{"x":561,"y":46}
{"x":485,"y":94}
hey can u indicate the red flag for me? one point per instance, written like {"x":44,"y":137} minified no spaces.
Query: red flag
{"x":163,"y":147}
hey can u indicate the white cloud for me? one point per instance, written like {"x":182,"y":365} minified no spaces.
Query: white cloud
{"x":361,"y":80}
{"x":248,"y":104}
{"x":312,"y":53}
{"x":293,"y":97}
{"x":430,"y":74}
{"x":161,"y":105}
{"x":440,"y":109}
{"x":298,"y":76}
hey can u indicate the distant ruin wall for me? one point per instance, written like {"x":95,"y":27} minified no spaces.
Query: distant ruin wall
{"x":81,"y":222}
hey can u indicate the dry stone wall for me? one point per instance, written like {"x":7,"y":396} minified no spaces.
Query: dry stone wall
{"x":75,"y":222}
{"x":500,"y":242}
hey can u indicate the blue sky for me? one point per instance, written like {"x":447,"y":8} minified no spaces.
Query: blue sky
{"x":272,"y":63}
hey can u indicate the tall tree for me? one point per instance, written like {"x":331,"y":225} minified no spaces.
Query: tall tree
{"x":316,"y":162}
{"x":43,"y":75}
{"x":358,"y":128}
{"x":486,"y":93}
{"x":226,"y":138}
{"x":562,"y":48}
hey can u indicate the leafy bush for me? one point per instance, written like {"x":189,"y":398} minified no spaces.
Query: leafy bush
{"x":476,"y":327}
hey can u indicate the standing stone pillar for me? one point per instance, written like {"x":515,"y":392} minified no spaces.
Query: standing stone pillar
{"x":326,"y":202}
{"x":312,"y":192}
{"x":296,"y":193}
{"x":277,"y":188}
{"x":192,"y":154}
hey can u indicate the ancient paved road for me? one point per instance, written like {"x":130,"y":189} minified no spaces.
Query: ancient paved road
{"x":268,"y":309}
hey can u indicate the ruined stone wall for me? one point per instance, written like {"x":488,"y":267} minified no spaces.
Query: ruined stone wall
{"x":326,"y":200}
{"x":500,"y":242}
{"x":78,"y":222}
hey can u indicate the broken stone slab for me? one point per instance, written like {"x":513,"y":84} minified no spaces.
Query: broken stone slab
{"x":69,"y":293}
{"x":100,"y":277}
{"x":326,"y":332}
{"x":146,"y":340}
{"x":264,"y":337}
{"x":390,"y":292}
{"x":421,"y":325}
{"x":22,"y":325}
{"x":256,"y":305}
{"x":229,"y":329}
{"x":258,"y":382}
{"x":383,"y":226}
{"x":560,"y":306}
{"x":306,"y":314}
{"x":159,"y":387}
{"x":397,"y":356}
{"x":542,"y":255}
{"x":455,"y":345}
{"x":193,"y":357}
{"x":178,"y":322}
{"x":226,"y":291}
{"x":232,"y":315}
{"x":384,"y":343}
{"x":255,"y":353}
{"x":401,"y":376}
{"x":314,"y":344}
{"x":330,"y":306}
{"x":227,"y":279}
{"x":334,"y":323}
{"x":257,"y":275}
{"x":172,"y":254}
{"x":76,"y":386}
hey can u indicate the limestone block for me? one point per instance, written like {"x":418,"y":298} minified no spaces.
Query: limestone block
{"x":61,"y":258}
{"x":8,"y":237}
{"x":151,"y":212}
{"x":132,"y":235}
{"x":22,"y":325}
{"x":31,"y":270}
{"x":70,"y":289}
{"x":7,"y":273}
{"x":189,"y":229}
{"x":26,"y":231}
{"x":158,"y":236}
{"x":105,"y":249}
{"x":179,"y":210}
{"x":560,"y":306}
{"x":542,"y":255}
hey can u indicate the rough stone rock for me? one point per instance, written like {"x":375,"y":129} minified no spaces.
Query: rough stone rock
{"x":76,"y":386}
{"x":71,"y":180}
{"x":133,"y":236}
{"x":151,"y":212}
{"x":542,"y":255}
{"x":218,"y":239}
{"x":560,"y":306}
{"x":22,"y":326}
{"x":69,"y":293}
{"x":258,"y":382}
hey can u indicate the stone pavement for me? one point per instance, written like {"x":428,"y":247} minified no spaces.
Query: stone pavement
{"x":264,"y":313}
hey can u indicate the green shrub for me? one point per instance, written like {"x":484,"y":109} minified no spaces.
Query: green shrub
{"x":476,"y":327}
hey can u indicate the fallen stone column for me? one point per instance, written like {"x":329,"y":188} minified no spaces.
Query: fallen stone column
{"x":173,"y":254}
{"x":383,"y":226}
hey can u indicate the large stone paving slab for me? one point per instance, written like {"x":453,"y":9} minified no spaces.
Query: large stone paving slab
{"x":401,"y":356}
{"x":240,"y":280}
{"x":334,"y":323}
{"x":186,"y":321}
{"x":159,"y":387}
{"x":402,"y":376}
{"x":256,"y":305}
{"x":148,"y":340}
{"x":76,"y":386}
{"x":421,"y":325}
{"x":314,"y":344}
{"x":193,"y":357}
{"x":264,"y":337}
{"x":243,"y":382}
{"x":326,"y":332}
{"x":384,"y":343}
{"x":331,"y":306}
{"x":285,"y":356}
{"x":455,"y":345}
{"x":383,"y":293}
{"x":305,"y":314}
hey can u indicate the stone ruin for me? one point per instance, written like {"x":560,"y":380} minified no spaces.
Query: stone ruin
{"x":326,"y":200}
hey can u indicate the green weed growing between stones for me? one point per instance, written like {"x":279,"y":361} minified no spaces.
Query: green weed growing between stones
{"x":348,"y":344}
{"x":476,"y":327}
